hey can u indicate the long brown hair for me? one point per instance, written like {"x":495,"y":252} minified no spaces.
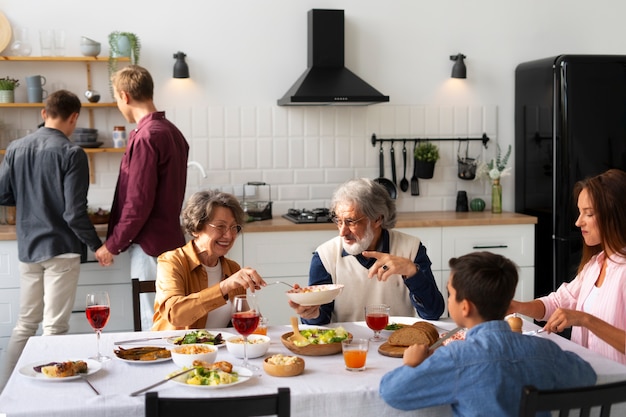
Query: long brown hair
{"x":607,"y":193}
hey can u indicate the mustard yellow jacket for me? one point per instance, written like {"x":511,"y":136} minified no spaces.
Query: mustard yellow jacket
{"x":183,"y":298}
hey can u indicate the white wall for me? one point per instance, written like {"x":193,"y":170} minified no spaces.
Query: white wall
{"x":244,"y":54}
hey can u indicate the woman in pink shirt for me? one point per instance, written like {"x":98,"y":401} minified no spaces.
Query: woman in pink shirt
{"x":594,"y":302}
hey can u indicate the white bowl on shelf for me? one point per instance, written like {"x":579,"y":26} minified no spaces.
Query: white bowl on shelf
{"x":88,"y":49}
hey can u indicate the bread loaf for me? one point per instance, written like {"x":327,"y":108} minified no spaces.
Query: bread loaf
{"x":424,"y":333}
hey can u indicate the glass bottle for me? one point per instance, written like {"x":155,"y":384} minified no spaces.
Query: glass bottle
{"x":496,"y":197}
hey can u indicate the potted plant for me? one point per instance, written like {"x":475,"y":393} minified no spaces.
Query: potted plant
{"x":122,"y":44}
{"x":7,"y":89}
{"x":426,"y":154}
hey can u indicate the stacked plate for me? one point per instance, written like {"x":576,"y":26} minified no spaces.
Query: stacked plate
{"x":86,"y":137}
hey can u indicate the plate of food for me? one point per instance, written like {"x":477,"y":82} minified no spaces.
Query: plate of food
{"x":58,"y":371}
{"x":315,"y":295}
{"x":322,"y":341}
{"x":201,"y":336}
{"x":214,"y":376}
{"x":143,"y":354}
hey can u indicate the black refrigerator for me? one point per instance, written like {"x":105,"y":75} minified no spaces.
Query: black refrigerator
{"x":570,"y":123}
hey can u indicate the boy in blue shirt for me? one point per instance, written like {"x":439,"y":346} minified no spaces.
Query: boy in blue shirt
{"x":484,"y":374}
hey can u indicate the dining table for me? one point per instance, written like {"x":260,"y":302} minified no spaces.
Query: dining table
{"x":325,"y":388}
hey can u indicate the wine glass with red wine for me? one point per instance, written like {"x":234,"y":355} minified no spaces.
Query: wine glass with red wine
{"x":97,"y":311}
{"x":377,"y":318}
{"x":245,"y":320}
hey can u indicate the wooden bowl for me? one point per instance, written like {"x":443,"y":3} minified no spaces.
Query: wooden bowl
{"x":312,"y":350}
{"x":284,"y":370}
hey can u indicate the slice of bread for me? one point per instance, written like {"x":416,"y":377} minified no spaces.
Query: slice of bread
{"x":431,"y":331}
{"x":408,"y":336}
{"x":64,"y":369}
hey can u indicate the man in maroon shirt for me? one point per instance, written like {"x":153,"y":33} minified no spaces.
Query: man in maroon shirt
{"x":151,"y":184}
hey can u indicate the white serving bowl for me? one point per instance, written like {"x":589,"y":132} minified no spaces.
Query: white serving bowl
{"x":184,"y":355}
{"x":89,"y":49}
{"x":257,"y":346}
{"x":315,"y":295}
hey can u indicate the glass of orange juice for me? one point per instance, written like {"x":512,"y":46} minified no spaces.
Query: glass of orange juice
{"x":262,"y":327}
{"x":355,"y":353}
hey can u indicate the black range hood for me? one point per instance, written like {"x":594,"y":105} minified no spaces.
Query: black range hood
{"x":327,"y":81}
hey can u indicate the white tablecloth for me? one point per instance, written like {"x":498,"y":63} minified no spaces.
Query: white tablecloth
{"x":324,"y":389}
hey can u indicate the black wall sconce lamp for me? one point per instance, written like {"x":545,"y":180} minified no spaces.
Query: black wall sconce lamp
{"x":181,"y":70}
{"x":458,"y":69}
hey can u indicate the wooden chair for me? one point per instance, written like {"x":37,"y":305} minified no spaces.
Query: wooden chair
{"x":278,"y":404}
{"x":564,"y":400}
{"x":138,"y":288}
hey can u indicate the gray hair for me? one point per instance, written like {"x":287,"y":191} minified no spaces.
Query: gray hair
{"x":199,"y":208}
{"x":370,"y":197}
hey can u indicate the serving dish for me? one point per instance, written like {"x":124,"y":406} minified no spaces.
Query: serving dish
{"x":288,"y":366}
{"x":257,"y":346}
{"x":174,"y":340}
{"x":312,"y":349}
{"x":185,"y":355}
{"x":315,"y":295}
{"x":28,"y":371}
{"x":244,"y":375}
{"x":143,"y":354}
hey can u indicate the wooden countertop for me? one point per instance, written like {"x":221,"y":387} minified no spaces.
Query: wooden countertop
{"x":417,"y":219}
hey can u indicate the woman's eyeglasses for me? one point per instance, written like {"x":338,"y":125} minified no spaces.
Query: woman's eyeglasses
{"x":222,"y":229}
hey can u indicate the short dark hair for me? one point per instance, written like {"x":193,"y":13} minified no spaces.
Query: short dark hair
{"x":199,"y":208}
{"x":62,"y":104}
{"x":136,"y":81}
{"x":487,"y":280}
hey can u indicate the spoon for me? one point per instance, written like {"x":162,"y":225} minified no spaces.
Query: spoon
{"x":404,"y":183}
{"x":297,"y":338}
{"x":281,"y":282}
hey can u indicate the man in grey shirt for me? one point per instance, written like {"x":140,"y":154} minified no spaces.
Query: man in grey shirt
{"x":47,"y":177}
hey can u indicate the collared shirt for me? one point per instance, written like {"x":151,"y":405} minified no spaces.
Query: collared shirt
{"x":150,"y":189}
{"x":484,"y":375}
{"x":424,"y":294}
{"x":609,"y":305}
{"x":183,"y":296}
{"x":47,"y":178}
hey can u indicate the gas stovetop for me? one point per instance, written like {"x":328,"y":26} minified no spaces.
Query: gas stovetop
{"x":319,"y":215}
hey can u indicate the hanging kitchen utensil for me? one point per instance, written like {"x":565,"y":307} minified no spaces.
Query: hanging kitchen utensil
{"x":404,"y":183}
{"x":393,"y":164}
{"x":415,"y":187}
{"x":466,"y":165}
{"x":389,"y":186}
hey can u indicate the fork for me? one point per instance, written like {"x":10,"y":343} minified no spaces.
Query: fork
{"x":281,"y":282}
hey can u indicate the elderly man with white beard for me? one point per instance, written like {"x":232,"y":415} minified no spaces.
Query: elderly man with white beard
{"x":376,"y":265}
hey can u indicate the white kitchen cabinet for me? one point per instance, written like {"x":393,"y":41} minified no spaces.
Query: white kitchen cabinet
{"x":114,"y":279}
{"x":516,"y":242}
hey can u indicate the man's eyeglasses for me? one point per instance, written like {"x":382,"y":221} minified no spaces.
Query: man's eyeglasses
{"x":351,"y":223}
{"x":223,"y":229}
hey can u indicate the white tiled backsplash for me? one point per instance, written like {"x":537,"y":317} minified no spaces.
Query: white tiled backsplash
{"x":305,"y":152}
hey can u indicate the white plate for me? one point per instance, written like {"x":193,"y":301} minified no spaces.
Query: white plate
{"x":225,"y":335}
{"x":29,"y":372}
{"x":244,"y":375}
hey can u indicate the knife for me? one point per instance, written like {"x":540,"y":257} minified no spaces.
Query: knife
{"x":163,"y":381}
{"x":121,"y":342}
{"x":444,"y":338}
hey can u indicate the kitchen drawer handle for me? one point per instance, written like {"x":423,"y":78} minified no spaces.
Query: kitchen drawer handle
{"x":490,"y":247}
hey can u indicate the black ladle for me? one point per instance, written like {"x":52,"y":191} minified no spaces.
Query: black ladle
{"x":404,"y":183}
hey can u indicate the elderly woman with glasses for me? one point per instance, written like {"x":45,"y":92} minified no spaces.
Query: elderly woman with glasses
{"x":376,"y":265}
{"x":195,"y":282}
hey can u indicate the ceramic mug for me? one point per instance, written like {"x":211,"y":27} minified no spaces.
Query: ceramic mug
{"x":35,"y":81}
{"x":36,"y":94}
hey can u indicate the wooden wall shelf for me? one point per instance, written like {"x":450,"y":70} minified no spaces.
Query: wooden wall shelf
{"x":62,"y":58}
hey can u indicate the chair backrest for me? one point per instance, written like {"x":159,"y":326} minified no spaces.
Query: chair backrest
{"x":564,"y":400}
{"x":138,"y":288}
{"x":258,"y":405}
